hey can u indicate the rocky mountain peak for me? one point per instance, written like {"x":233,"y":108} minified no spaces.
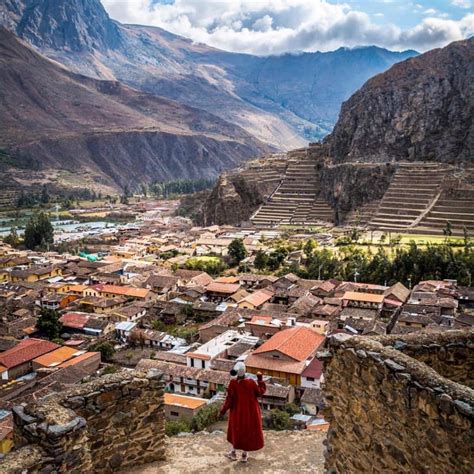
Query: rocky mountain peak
{"x":419,"y":109}
{"x":69,"y":25}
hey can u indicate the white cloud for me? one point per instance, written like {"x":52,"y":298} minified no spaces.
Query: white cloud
{"x":277,"y":26}
{"x":462,"y":3}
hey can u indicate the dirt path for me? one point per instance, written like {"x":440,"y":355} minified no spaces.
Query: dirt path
{"x":284,"y":452}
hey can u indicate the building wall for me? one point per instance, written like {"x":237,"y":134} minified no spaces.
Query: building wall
{"x":389,"y":412}
{"x":103,"y":426}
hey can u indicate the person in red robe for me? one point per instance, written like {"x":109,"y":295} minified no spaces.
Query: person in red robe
{"x":245,"y":417}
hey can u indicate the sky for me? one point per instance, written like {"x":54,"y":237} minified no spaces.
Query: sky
{"x":266,"y":27}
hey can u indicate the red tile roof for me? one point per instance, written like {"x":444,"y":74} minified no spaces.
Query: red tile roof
{"x":298,"y":343}
{"x":26,"y":350}
{"x":258,"y":298}
{"x":74,"y":320}
{"x":314,"y":369}
{"x":227,"y":288}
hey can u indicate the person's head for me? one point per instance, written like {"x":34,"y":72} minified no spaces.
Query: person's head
{"x":238,"y":370}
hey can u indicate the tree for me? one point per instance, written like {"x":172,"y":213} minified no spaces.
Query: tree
{"x":39,"y":232}
{"x":44,"y":195}
{"x":106,"y":350}
{"x":261,"y":260}
{"x":137,"y":337}
{"x":448,"y":231}
{"x":12,"y":238}
{"x":237,"y":250}
{"x":48,"y":323}
{"x":309,"y":247}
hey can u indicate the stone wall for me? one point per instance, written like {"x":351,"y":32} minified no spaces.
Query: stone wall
{"x":390,"y":412}
{"x":102,"y":426}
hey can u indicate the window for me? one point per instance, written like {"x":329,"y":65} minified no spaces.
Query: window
{"x":174,"y":413}
{"x":275,"y":356}
{"x":192,"y":362}
{"x":203,"y":364}
{"x":310,"y":379}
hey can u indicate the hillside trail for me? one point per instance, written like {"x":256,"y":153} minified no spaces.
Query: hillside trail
{"x":284,"y":452}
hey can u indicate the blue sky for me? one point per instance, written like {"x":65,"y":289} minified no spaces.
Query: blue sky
{"x":279,"y":26}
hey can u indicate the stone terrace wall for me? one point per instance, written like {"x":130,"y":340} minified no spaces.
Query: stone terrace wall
{"x":113,"y":422}
{"x":389,"y":412}
{"x":451,"y":354}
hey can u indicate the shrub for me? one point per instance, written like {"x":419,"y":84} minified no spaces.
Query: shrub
{"x":172,"y":428}
{"x":279,"y":420}
{"x":206,"y":417}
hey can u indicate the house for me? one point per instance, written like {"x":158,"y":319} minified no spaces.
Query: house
{"x":162,"y":340}
{"x":397,"y":292}
{"x":219,"y":292}
{"x":182,"y":407}
{"x":133,"y":312}
{"x":222,"y":323}
{"x":123,"y":330}
{"x":285,"y":354}
{"x":358,"y":313}
{"x":100,"y":305}
{"x":163,"y":284}
{"x":88,"y":362}
{"x":56,"y":301}
{"x":312,"y":401}
{"x":35,"y":273}
{"x":114,"y":291}
{"x":358,"y":299}
{"x":202,"y":356}
{"x":86,"y":323}
{"x":262,"y":326}
{"x":311,"y":376}
{"x":74,"y":322}
{"x":188,"y":380}
{"x":18,"y":360}
{"x":55,"y":358}
{"x":256,"y":300}
{"x":277,"y":396}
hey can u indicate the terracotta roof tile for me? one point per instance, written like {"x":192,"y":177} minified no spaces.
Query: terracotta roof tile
{"x":25,"y":351}
{"x":298,"y":343}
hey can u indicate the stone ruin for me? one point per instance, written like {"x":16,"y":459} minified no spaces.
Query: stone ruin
{"x":400,"y":403}
{"x":105,"y":425}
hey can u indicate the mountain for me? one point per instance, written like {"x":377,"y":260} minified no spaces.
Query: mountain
{"x":57,"y":123}
{"x":400,"y":158}
{"x":285,"y":100}
{"x":420,"y":109}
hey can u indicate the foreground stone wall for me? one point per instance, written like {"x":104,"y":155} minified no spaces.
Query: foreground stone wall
{"x":451,"y":354}
{"x":389,"y":412}
{"x":114,"y":422}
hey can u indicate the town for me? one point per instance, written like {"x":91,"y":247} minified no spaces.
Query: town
{"x":191,"y":302}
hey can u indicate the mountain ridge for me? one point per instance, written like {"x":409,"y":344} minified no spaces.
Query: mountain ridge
{"x":53,"y":118}
{"x":284,"y":100}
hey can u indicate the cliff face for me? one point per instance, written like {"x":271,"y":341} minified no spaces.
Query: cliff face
{"x":420,"y":109}
{"x":347,"y":187}
{"x":232,"y":201}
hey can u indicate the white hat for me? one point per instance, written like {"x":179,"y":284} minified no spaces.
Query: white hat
{"x":239,"y":367}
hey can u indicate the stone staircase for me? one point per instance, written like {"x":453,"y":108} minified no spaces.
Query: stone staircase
{"x":456,"y":207}
{"x":413,"y":191}
{"x":295,"y":200}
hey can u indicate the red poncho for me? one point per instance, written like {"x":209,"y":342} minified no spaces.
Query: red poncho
{"x":245,"y":417}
